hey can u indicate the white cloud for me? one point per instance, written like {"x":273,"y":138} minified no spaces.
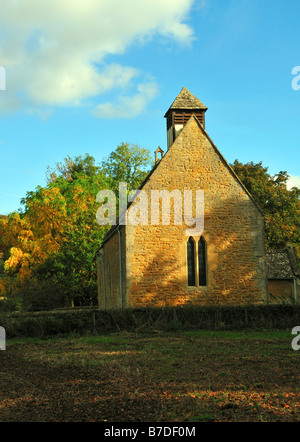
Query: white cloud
{"x":293,"y":181}
{"x":128,"y":106}
{"x":54,"y":51}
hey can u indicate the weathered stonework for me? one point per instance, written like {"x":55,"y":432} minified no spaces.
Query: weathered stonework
{"x":154,"y":257}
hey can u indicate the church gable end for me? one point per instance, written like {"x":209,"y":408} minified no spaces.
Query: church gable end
{"x":160,"y":269}
{"x":194,"y":162}
{"x":171,"y":265}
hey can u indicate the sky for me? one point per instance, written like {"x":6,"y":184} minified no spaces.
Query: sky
{"x":84,"y":76}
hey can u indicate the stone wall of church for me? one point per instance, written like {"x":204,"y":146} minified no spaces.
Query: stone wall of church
{"x":156,"y":256}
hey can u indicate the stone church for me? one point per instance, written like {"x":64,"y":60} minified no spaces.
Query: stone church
{"x":157,"y":264}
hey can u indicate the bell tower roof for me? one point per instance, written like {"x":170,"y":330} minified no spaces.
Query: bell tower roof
{"x":183,"y":107}
{"x":186,"y":100}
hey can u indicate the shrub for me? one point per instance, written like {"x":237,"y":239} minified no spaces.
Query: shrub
{"x":10,"y":304}
{"x":42,"y":296}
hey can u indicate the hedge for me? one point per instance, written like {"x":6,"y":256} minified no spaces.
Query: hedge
{"x":91,"y":320}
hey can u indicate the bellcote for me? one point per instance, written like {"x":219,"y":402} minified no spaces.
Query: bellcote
{"x":183,"y":107}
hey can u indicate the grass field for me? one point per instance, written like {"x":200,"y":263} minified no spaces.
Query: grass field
{"x":160,"y":377}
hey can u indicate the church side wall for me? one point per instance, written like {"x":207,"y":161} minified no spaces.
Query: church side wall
{"x":110,"y":295}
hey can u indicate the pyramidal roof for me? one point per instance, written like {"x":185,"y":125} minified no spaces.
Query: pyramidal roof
{"x":186,"y":100}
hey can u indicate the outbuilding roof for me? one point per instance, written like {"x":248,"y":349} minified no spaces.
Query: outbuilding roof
{"x":282,"y":264}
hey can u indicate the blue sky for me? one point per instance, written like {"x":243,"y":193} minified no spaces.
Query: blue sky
{"x":84,"y":76}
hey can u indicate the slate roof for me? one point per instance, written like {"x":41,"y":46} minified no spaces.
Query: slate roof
{"x":282,"y":264}
{"x":186,"y":100}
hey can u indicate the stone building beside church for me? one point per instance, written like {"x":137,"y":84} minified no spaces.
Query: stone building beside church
{"x":159,"y":265}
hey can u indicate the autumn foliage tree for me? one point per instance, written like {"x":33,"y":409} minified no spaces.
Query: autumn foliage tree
{"x":54,"y":238}
{"x":51,"y":245}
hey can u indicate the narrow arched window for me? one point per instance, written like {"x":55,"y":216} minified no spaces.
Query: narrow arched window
{"x":191,"y":262}
{"x":202,"y":262}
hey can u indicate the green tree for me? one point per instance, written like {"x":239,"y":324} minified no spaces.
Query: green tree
{"x":280,"y":206}
{"x":73,"y":168}
{"x":128,"y":163}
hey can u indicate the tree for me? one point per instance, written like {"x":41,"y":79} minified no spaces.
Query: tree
{"x":71,"y":169}
{"x":128,"y":163}
{"x":54,"y":240}
{"x":72,"y":265}
{"x":280,"y":206}
{"x":33,"y":236}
